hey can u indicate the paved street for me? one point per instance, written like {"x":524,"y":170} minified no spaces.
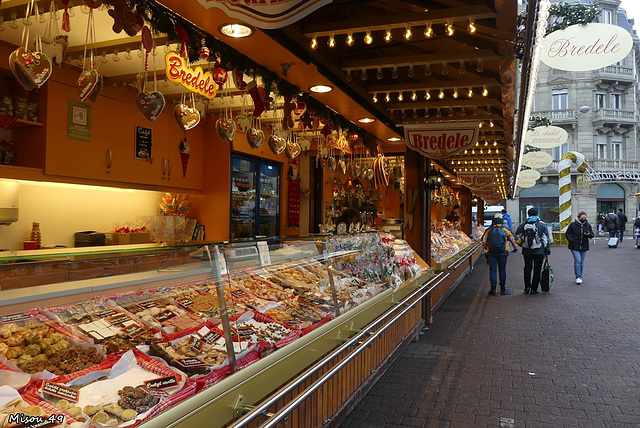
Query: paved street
{"x":569,"y":358}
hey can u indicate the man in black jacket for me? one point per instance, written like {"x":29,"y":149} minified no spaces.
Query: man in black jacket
{"x":623,"y":223}
{"x":612,"y":223}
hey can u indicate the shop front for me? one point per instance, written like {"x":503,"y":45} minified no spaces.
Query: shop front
{"x":243,"y":218}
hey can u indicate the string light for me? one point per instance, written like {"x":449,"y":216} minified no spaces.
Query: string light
{"x":445,"y":68}
{"x":414,"y":96}
{"x":349,"y":41}
{"x":470,"y":93}
{"x":408,"y":34}
{"x":367,"y":37}
{"x":427,"y":96}
{"x":427,"y":70}
{"x":375,"y":98}
{"x":428,"y":31}
{"x":455,"y":92}
{"x":485,"y":91}
{"x":314,"y":43}
{"x":387,"y":35}
{"x":449,"y":28}
{"x":332,"y":41}
{"x":379,"y":74}
{"x":411,"y":72}
{"x":462,"y":68}
{"x":364,"y":74}
{"x":472,"y":26}
{"x":480,"y":66}
{"x":394,"y":73}
{"x":387,"y":98}
{"x":400,"y":96}
{"x":441,"y":94}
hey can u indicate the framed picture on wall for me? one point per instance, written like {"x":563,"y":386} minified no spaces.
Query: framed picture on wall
{"x":143,"y":142}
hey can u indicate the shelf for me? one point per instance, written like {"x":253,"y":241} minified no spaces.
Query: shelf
{"x":19,"y":123}
{"x":21,"y":173}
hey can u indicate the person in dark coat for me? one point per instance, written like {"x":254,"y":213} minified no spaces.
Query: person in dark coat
{"x":623,"y":223}
{"x":495,"y":242}
{"x":533,"y":257}
{"x":636,"y":231}
{"x":578,"y":234}
{"x":612,"y":223}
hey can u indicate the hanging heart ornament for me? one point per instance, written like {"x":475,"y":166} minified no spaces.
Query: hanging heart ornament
{"x":343,"y":166}
{"x":292,"y":150}
{"x":255,"y":137}
{"x":88,"y":82}
{"x":226,"y":129}
{"x":150,"y":104}
{"x":332,"y":163}
{"x":277,"y":144}
{"x":187,"y":117}
{"x":32,"y":69}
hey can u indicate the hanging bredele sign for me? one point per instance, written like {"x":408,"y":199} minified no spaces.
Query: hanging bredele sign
{"x":441,"y":140}
{"x":268,"y":14}
{"x":586,"y":47}
{"x":476,"y":180}
{"x":537,"y":159}
{"x":195,"y":80}
{"x":546,"y":137}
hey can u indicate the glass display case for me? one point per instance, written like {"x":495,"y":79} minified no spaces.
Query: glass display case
{"x":255,"y":198}
{"x":142,"y":344}
{"x":447,"y":243}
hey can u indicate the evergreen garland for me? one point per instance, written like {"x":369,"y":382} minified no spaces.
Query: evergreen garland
{"x":163,"y":20}
{"x":562,"y":15}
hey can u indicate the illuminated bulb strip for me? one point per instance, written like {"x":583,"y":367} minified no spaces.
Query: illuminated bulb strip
{"x":367,"y":38}
{"x":428,"y":31}
{"x":314,"y":43}
{"x":349,"y":40}
{"x":449,"y":31}
{"x":387,"y":35}
{"x":472,"y":26}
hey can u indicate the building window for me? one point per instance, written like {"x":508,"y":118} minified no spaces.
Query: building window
{"x":601,"y":151}
{"x":616,"y":100}
{"x":559,"y":99}
{"x":607,"y":17}
{"x":560,"y":151}
{"x":616,"y":150}
{"x":601,"y":100}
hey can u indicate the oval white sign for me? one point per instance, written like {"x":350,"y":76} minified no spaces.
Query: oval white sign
{"x":529,"y":174}
{"x":546,"y":137}
{"x":586,"y":47}
{"x":537,"y":159}
{"x":525,"y":184}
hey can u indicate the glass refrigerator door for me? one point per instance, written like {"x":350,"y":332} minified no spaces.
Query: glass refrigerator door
{"x":269,"y":222}
{"x":243,"y":198}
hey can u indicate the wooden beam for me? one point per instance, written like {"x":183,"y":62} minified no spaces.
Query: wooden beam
{"x":121,"y":44}
{"x":405,"y":61}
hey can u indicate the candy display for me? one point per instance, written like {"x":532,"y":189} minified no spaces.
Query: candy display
{"x":446,"y":241}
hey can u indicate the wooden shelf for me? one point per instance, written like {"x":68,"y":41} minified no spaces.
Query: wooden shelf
{"x":21,"y":173}
{"x":21,"y":123}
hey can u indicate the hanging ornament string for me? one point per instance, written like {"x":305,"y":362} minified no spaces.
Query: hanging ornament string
{"x":26,"y":31}
{"x":66,"y":22}
{"x":90,"y":39}
{"x":52,"y":22}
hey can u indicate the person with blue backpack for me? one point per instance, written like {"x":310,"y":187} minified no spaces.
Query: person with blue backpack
{"x":533,"y":237}
{"x":496,"y":244}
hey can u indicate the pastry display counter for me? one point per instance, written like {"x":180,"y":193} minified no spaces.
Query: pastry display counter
{"x":222,"y":333}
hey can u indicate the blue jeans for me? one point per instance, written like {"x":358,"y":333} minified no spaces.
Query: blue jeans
{"x":578,"y":262}
{"x":620,"y":233}
{"x":498,"y":263}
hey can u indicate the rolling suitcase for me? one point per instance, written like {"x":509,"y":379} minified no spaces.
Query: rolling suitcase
{"x":613,"y":242}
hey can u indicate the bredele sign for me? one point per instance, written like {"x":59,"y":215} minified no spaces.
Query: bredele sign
{"x":268,"y":14}
{"x":586,"y":47}
{"x":195,"y":80}
{"x":441,"y":140}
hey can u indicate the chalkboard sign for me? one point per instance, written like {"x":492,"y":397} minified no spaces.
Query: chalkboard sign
{"x":143,"y":142}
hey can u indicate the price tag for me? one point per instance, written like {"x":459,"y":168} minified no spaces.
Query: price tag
{"x":263,"y":251}
{"x":13,"y":317}
{"x":133,"y":330}
{"x":239,"y":293}
{"x":148,"y":305}
{"x":61,"y":391}
{"x":25,"y":420}
{"x":161,"y":382}
{"x":195,"y":342}
{"x":118,"y":319}
{"x":184,"y":301}
{"x":106,"y":313}
{"x":190,"y":362}
{"x":165,"y":316}
{"x":246,"y":331}
{"x":211,"y":337}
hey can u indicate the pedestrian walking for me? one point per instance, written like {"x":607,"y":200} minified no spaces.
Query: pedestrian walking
{"x":533,"y":237}
{"x":495,"y":242}
{"x":623,"y":223}
{"x":507,"y":218}
{"x":600,"y":223}
{"x":636,"y":231}
{"x":612,"y":223}
{"x":578,"y":234}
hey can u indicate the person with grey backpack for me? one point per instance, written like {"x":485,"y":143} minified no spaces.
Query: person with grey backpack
{"x":533,"y":237}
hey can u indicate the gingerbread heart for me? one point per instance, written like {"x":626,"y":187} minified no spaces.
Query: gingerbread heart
{"x":93,"y":96}
{"x":255,"y":137}
{"x":150,"y":104}
{"x":277,"y":144}
{"x":343,"y":166}
{"x":226,"y":129}
{"x":187,"y":117}
{"x":293,"y":150}
{"x":87,"y":82}
{"x":32,"y":69}
{"x":332,"y":163}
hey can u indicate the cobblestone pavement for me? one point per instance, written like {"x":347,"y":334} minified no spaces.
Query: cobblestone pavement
{"x":569,"y":358}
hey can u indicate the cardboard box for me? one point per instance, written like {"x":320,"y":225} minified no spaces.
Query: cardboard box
{"x":131,"y":238}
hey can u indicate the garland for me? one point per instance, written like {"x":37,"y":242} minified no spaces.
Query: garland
{"x":562,"y":15}
{"x":163,"y":20}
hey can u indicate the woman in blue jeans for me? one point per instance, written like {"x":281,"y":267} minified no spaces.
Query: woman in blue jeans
{"x":578,"y":234}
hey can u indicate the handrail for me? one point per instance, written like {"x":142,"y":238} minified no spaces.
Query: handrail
{"x":465,"y":257}
{"x":261,"y":410}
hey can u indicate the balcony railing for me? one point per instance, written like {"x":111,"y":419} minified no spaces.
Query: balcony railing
{"x":617,"y":70}
{"x":614,"y":165}
{"x":615,"y":114}
{"x":557,"y":115}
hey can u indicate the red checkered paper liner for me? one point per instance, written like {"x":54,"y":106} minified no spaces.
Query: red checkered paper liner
{"x":242,"y":362}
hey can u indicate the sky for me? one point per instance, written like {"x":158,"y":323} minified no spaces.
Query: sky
{"x":633,"y":11}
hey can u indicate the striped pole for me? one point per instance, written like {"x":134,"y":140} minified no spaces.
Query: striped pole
{"x":564,"y":182}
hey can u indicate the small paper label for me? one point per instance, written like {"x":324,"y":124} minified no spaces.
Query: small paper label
{"x":263,"y":251}
{"x":24,"y":420}
{"x":165,"y":316}
{"x":61,"y":391}
{"x":118,"y":319}
{"x":239,"y":293}
{"x":106,"y":313}
{"x":195,"y":342}
{"x":133,"y":330}
{"x":13,"y":317}
{"x":161,"y":382}
{"x":211,"y":337}
{"x":148,"y":305}
{"x":190,"y":362}
{"x":184,"y":301}
{"x":246,"y":331}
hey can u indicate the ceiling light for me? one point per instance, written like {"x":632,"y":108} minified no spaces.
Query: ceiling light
{"x":495,"y":143}
{"x":428,"y":31}
{"x":491,"y":123}
{"x":414,"y":96}
{"x":400,"y":96}
{"x":366,"y":120}
{"x":236,"y":30}
{"x":441,"y":94}
{"x":321,"y":89}
{"x":408,"y":34}
{"x":332,"y":41}
{"x":472,"y":26}
{"x":394,"y":139}
{"x":375,"y":98}
{"x":455,"y":92}
{"x":485,"y":92}
{"x":387,"y":98}
{"x":314,"y":43}
{"x":470,"y":93}
{"x":411,"y":72}
{"x":349,"y":40}
{"x":367,"y":37}
{"x":427,"y":70}
{"x":387,"y":35}
{"x":427,"y":96}
{"x":449,"y":28}
{"x":480,"y":125}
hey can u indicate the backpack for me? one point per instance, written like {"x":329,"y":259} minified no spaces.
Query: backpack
{"x":530,"y":237}
{"x":497,"y":240}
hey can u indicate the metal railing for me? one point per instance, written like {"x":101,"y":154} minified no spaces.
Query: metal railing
{"x":557,"y":115}
{"x":611,"y":113}
{"x":615,"y":164}
{"x":273,"y":420}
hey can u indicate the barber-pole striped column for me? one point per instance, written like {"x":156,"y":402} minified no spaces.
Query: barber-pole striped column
{"x":564,"y":182}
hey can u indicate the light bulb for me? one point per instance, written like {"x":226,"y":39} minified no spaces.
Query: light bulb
{"x":332,"y":41}
{"x":367,"y":37}
{"x":314,"y":43}
{"x":115,"y":56}
{"x":375,"y":98}
{"x":379,"y":74}
{"x":491,"y":123}
{"x":472,"y":26}
{"x":103,"y":57}
{"x":470,"y":93}
{"x":441,"y":94}
{"x":438,"y":113}
{"x":480,"y":125}
{"x":462,"y":69}
{"x":395,"y":73}
{"x":455,"y":93}
{"x":364,"y":76}
{"x":480,"y":66}
{"x":445,"y":69}
{"x":387,"y":98}
{"x":449,"y":28}
{"x":427,"y":96}
{"x":414,"y":96}
{"x":495,"y":143}
{"x":450,"y":111}
{"x":427,"y":70}
{"x":408,"y":34}
{"x":411,"y":72}
{"x":400,"y":97}
{"x":485,"y":92}
{"x":349,"y":40}
{"x":426,"y":112}
{"x":387,"y":35}
{"x":415,"y":113}
{"x":349,"y":76}
{"x":428,"y":31}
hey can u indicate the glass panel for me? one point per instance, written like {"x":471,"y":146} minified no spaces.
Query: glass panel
{"x":269,"y":200}
{"x":560,"y":99}
{"x":602,"y":151}
{"x":616,"y":101}
{"x":243,"y":198}
{"x":601,"y":100}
